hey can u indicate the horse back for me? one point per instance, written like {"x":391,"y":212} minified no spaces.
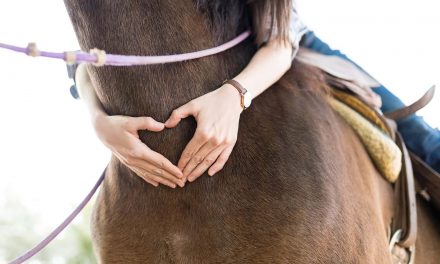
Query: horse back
{"x":288,"y":193}
{"x":294,"y":189}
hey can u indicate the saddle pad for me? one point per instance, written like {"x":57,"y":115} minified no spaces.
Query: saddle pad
{"x":362,"y":108}
{"x":385,"y":154}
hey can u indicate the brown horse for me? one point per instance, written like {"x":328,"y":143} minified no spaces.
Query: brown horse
{"x":299,"y":186}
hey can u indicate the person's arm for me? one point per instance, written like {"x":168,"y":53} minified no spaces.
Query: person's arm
{"x":267,"y":66}
{"x":87,"y":93}
{"x":218,"y":112}
{"x":120,"y":135}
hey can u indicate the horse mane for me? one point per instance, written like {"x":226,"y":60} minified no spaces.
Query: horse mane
{"x":224,"y":16}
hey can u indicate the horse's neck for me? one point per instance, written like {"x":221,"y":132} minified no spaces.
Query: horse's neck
{"x":153,"y":28}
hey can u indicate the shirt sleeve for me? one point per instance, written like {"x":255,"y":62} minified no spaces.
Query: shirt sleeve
{"x":297,"y":29}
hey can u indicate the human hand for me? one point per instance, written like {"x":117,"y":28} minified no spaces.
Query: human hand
{"x":217,"y":114}
{"x":120,"y":135}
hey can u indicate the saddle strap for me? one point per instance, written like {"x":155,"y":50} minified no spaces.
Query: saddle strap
{"x":414,"y":107}
{"x":429,"y":180}
{"x":405,"y":206}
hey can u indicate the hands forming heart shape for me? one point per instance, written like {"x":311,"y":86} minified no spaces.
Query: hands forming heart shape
{"x":217,"y":114}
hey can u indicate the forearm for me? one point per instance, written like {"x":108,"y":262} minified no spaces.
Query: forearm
{"x":267,"y":66}
{"x":87,"y":92}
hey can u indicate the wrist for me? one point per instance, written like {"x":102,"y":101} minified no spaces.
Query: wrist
{"x":230,"y":94}
{"x":245,"y":95}
{"x":97,"y":117}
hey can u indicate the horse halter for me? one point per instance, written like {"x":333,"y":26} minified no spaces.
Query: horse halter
{"x":100,"y":58}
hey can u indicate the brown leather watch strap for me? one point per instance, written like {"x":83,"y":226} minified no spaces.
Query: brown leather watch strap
{"x":239,"y":88}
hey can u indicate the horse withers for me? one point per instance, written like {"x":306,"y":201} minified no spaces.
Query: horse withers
{"x":298,"y":188}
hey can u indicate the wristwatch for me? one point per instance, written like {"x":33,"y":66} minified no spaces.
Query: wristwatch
{"x":246,"y":96}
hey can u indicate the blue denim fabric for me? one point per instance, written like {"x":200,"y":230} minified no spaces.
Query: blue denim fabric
{"x":419,"y":137}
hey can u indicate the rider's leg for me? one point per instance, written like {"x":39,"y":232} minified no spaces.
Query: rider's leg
{"x":419,"y":137}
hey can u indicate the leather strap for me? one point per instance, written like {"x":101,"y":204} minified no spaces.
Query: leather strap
{"x":411,"y":109}
{"x":405,"y":216}
{"x":237,"y":85}
{"x":428,"y":179}
{"x":404,"y":189}
{"x":239,"y":88}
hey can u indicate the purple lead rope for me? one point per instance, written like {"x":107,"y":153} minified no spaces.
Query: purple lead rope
{"x":100,"y":58}
{"x":61,"y":227}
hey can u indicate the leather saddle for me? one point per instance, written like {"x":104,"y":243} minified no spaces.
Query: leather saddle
{"x":415,"y":176}
{"x":346,"y":79}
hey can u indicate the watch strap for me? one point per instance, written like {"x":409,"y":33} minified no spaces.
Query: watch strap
{"x":237,"y":86}
{"x":241,"y":90}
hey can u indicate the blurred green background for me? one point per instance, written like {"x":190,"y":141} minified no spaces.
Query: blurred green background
{"x":20,"y":232}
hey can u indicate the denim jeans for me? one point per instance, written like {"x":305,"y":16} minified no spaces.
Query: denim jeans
{"x":419,"y":137}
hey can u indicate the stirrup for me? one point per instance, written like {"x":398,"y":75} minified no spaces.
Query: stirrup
{"x":396,"y":250}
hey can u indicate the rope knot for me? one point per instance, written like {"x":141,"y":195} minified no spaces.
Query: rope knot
{"x":32,"y":50}
{"x":70,"y":57}
{"x":100,"y":55}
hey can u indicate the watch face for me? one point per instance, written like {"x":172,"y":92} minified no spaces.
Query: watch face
{"x":247,"y":99}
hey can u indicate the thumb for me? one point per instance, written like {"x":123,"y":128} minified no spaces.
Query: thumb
{"x":180,"y":113}
{"x":146,"y":123}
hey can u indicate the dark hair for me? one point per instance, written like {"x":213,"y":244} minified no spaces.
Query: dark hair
{"x":270,"y":18}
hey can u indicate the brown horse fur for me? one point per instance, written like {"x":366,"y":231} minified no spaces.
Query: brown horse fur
{"x":298,"y":187}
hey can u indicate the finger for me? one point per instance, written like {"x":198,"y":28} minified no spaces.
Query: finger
{"x":180,"y":113}
{"x":141,"y":174}
{"x":199,"y":139}
{"x":146,"y":123}
{"x":220,"y":162}
{"x":207,"y":162}
{"x":146,"y":172}
{"x":161,"y":162}
{"x":199,"y":157}
{"x":150,"y":176}
{"x":149,"y":168}
{"x":162,"y":180}
{"x":155,"y":184}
